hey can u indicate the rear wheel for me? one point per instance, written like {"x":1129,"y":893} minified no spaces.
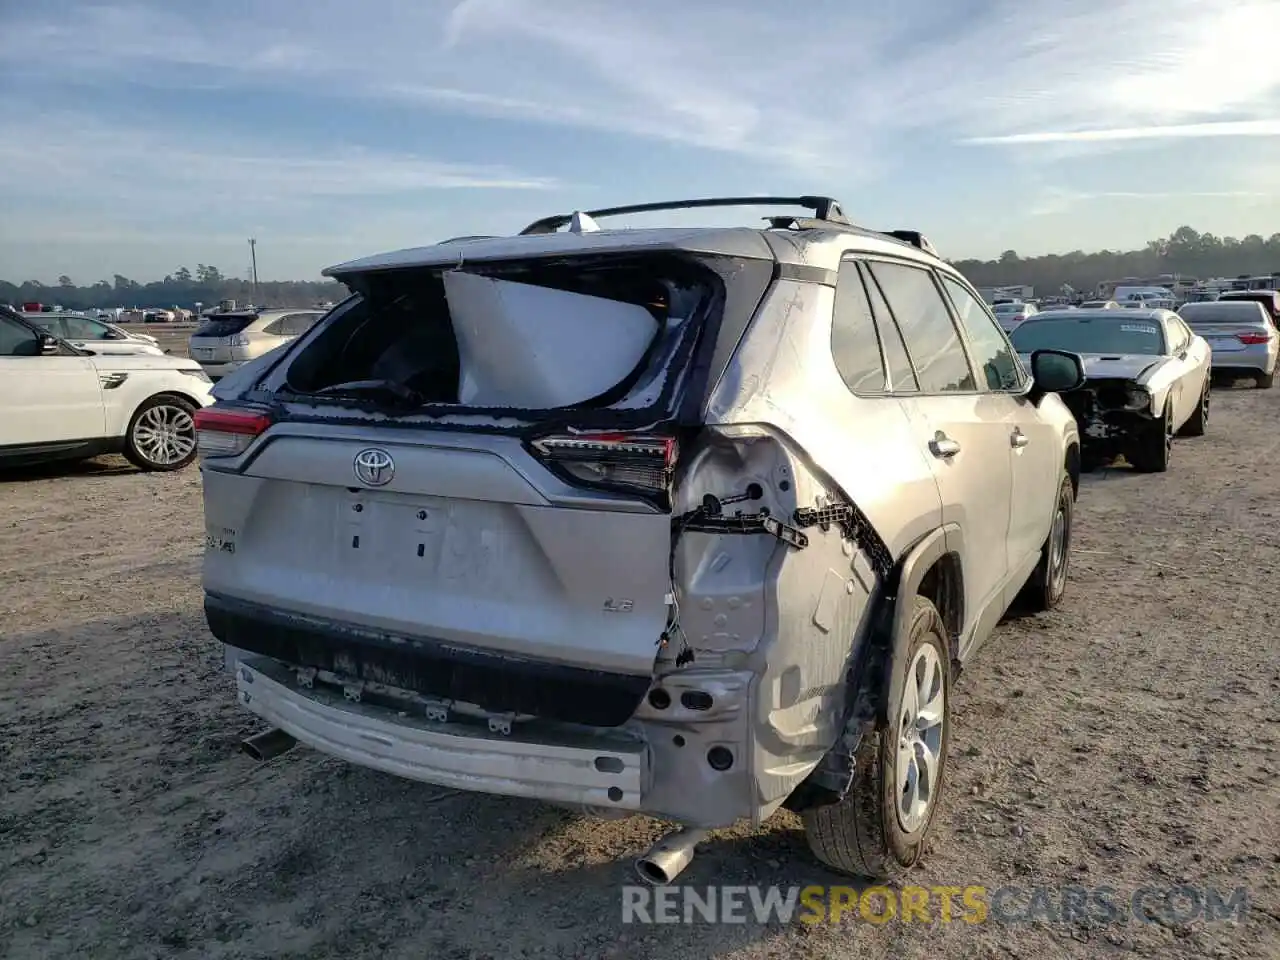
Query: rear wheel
{"x":162,"y":434}
{"x":1153,"y":445}
{"x":879,"y":829}
{"x":1264,"y":381}
{"x":1195,"y":426}
{"x":1048,"y":584}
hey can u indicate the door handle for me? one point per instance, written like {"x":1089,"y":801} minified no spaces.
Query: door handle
{"x":943,"y":447}
{"x":1018,"y":438}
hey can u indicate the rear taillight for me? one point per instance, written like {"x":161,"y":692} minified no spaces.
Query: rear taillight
{"x":619,"y":461}
{"x":228,"y":432}
{"x":1252,"y":338}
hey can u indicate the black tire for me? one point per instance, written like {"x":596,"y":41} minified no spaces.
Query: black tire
{"x":1048,"y":582}
{"x":162,"y":407}
{"x":1152,"y":447}
{"x":863,"y":835}
{"x":1264,"y":381}
{"x":1195,"y":426}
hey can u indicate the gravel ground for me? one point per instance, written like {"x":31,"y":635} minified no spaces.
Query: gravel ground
{"x":1129,"y":739}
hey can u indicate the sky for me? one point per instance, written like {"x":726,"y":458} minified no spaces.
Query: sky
{"x":139,"y":137}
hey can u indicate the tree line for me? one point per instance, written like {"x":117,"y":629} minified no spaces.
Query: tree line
{"x":1186,"y":252}
{"x":183,"y":288}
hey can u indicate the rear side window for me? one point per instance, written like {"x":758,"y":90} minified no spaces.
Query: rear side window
{"x":855,"y":347}
{"x":296,"y":324}
{"x":931,"y":338}
{"x":224,"y":326}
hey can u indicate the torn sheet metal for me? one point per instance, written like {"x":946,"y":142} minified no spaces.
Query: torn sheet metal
{"x":522,"y":345}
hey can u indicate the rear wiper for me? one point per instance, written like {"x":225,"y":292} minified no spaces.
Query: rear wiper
{"x":384,"y":388}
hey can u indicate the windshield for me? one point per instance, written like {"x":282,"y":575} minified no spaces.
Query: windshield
{"x":224,"y":326}
{"x":1090,"y":335}
{"x":1009,"y":307}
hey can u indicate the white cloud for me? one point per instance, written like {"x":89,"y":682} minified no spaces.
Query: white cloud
{"x":822,"y":94}
{"x":818,"y":86}
{"x":1226,"y":128}
{"x":1055,"y":201}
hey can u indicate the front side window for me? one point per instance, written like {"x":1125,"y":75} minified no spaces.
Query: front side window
{"x":16,"y":340}
{"x":991,"y":351}
{"x":82,"y":328}
{"x":931,"y":337}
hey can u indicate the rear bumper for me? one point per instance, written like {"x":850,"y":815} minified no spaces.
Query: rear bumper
{"x":610,"y":772}
{"x":221,"y":368}
{"x":1253,"y":360}
{"x":433,"y":668}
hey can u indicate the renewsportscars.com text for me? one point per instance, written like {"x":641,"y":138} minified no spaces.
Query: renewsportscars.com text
{"x":973,"y":904}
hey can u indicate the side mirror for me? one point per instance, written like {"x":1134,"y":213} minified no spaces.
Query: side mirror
{"x":48,"y":345}
{"x":1056,"y":371}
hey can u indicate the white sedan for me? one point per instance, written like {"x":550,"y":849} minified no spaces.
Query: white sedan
{"x":58,"y":402}
{"x":88,"y":333}
{"x":1146,"y":379}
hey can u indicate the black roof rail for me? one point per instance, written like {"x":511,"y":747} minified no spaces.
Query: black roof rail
{"x":825,"y":209}
{"x":913,"y":237}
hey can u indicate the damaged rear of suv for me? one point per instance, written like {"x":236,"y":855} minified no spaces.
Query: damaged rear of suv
{"x":625,"y":520}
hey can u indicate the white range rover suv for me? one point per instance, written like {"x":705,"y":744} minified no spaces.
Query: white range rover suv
{"x":61,"y":402}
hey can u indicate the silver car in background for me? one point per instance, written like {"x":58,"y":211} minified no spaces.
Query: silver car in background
{"x":226,"y":341}
{"x":1240,"y":333}
{"x":1009,"y":315}
{"x":96,"y":336}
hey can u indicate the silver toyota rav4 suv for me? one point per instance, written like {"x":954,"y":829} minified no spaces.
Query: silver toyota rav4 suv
{"x":695,"y":523}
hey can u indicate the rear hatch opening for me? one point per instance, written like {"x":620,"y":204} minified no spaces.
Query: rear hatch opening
{"x":524,"y":340}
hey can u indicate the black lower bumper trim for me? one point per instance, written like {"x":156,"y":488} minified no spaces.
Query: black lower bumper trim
{"x":492,"y":681}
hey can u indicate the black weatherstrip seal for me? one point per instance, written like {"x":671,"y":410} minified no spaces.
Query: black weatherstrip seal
{"x":497,"y":682}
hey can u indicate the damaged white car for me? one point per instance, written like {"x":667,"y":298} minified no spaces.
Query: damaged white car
{"x":687,"y":522}
{"x":1147,"y":379}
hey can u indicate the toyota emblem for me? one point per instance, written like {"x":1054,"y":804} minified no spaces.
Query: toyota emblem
{"x":374,"y":467}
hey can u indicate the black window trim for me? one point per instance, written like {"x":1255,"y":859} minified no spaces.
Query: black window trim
{"x":931,"y":271}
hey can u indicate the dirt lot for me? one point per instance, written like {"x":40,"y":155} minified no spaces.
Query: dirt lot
{"x":1129,"y":740}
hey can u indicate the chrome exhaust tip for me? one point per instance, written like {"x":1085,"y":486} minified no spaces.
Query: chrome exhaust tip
{"x":268,"y":745}
{"x":668,"y":857}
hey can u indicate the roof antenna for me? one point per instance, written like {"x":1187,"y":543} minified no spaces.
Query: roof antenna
{"x":581,"y":223}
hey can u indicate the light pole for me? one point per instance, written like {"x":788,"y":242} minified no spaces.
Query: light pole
{"x":253,"y":259}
